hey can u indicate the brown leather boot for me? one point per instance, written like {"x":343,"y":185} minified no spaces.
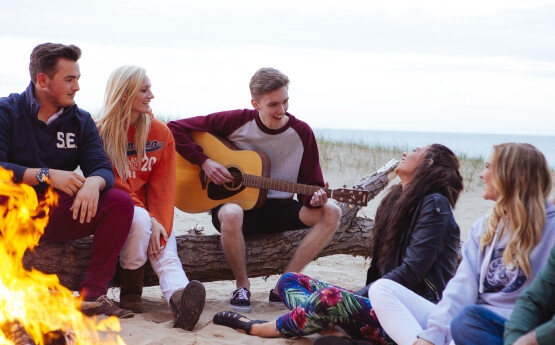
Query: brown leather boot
{"x":187,"y":305}
{"x":131,"y":283}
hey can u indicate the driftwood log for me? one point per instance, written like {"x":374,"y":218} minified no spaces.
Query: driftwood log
{"x":203,"y":258}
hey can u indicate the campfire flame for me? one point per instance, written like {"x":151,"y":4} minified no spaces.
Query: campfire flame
{"x":36,"y":301}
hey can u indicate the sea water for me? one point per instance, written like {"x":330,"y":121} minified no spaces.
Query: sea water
{"x":474,"y":145}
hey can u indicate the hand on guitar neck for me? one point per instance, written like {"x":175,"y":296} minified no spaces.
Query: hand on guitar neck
{"x":320,"y":197}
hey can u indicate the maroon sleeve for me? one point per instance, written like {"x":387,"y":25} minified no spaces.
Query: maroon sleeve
{"x":310,"y":172}
{"x":221,"y":124}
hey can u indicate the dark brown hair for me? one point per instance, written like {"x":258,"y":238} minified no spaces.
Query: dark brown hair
{"x":44,"y":58}
{"x":266,"y":80}
{"x":437,"y":173}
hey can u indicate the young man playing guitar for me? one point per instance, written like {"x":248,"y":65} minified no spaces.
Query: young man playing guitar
{"x":293,"y":152}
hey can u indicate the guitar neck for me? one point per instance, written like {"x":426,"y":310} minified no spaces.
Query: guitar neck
{"x":356,"y":197}
{"x":281,"y":186}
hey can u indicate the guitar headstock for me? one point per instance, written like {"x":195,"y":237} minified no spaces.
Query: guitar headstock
{"x":350,"y":196}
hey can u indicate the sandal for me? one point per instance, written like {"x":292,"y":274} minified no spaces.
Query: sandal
{"x":231,"y":319}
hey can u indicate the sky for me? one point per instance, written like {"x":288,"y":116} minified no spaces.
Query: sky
{"x":474,"y":66}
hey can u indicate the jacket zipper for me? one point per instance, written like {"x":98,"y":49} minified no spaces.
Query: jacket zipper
{"x":432,"y":287}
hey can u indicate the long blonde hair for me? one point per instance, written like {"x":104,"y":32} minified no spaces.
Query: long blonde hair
{"x":115,"y":116}
{"x":521,"y":176}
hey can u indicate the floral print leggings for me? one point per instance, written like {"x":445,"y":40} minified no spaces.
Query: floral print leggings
{"x":315,"y":304}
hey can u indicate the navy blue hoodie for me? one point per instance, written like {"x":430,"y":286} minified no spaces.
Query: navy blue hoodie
{"x":70,"y":141}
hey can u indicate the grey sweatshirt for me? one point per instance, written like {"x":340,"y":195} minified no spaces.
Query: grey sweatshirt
{"x":482,"y":279}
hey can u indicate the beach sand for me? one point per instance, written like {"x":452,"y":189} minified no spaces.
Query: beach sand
{"x":154,"y":327}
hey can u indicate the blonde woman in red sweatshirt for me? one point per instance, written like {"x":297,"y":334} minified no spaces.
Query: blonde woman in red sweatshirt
{"x":142,"y":152}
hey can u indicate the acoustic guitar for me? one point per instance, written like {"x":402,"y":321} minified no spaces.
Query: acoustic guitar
{"x":249,"y":186}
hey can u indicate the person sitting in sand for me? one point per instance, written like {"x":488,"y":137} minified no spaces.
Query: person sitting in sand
{"x":416,"y":242}
{"x":44,"y":137}
{"x":504,"y":252}
{"x":293,"y":152}
{"x":142,"y":152}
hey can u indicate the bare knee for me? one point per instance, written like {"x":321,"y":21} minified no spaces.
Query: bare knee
{"x":327,"y":216}
{"x":231,"y":219}
{"x":332,"y":212}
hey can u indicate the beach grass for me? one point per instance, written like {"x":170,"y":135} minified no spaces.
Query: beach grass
{"x":355,"y":160}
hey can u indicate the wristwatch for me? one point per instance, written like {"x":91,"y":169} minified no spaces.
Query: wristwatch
{"x":43,"y":175}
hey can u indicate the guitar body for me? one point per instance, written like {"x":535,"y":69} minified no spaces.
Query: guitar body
{"x":196,"y":193}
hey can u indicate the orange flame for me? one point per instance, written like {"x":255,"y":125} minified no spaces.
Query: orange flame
{"x":38,"y":301}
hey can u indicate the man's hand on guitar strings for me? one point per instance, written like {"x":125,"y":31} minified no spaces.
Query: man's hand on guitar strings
{"x":320,"y":197}
{"x":216,"y":172}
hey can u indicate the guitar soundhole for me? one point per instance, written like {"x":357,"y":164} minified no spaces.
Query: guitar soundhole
{"x":237,"y":180}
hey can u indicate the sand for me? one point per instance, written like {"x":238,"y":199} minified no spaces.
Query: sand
{"x":155,"y":325}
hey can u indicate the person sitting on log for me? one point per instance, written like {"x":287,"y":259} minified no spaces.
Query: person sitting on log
{"x":142,"y":152}
{"x":504,"y":252}
{"x":44,"y":137}
{"x":293,"y":152}
{"x":416,"y":243}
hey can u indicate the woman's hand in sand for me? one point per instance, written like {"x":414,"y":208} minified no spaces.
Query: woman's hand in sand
{"x":320,"y":197}
{"x":216,"y":172}
{"x":154,"y":248}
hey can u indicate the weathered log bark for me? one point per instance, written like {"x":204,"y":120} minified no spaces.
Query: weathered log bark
{"x":203,"y":258}
{"x":16,"y":333}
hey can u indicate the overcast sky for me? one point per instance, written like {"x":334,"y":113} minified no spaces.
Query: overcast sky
{"x":476,"y":66}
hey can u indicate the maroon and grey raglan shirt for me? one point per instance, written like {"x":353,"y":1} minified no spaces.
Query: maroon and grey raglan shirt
{"x":292,"y":149}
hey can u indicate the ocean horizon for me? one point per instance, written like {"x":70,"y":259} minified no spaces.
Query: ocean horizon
{"x":471,"y":144}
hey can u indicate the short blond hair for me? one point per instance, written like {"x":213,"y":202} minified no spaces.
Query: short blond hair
{"x":266,"y":80}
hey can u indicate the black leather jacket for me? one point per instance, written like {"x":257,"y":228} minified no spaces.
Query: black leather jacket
{"x":427,"y":254}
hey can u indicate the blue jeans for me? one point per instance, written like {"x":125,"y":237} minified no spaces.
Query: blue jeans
{"x":475,"y":325}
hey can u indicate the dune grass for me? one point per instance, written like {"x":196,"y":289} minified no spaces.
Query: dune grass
{"x":355,"y":161}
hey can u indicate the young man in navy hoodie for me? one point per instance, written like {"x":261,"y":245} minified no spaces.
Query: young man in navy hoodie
{"x":44,"y":137}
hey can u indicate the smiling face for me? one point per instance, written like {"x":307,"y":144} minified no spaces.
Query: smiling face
{"x":272,"y":107}
{"x":409,"y":162}
{"x":490,"y":193}
{"x":141,"y":103}
{"x":60,"y":90}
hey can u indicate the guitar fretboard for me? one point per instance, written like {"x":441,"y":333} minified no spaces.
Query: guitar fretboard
{"x":282,"y":186}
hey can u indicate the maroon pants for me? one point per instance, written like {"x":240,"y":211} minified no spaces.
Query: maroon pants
{"x":110,"y":227}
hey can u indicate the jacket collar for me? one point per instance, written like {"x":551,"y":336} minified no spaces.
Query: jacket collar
{"x":31,"y":102}
{"x":32,"y":106}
